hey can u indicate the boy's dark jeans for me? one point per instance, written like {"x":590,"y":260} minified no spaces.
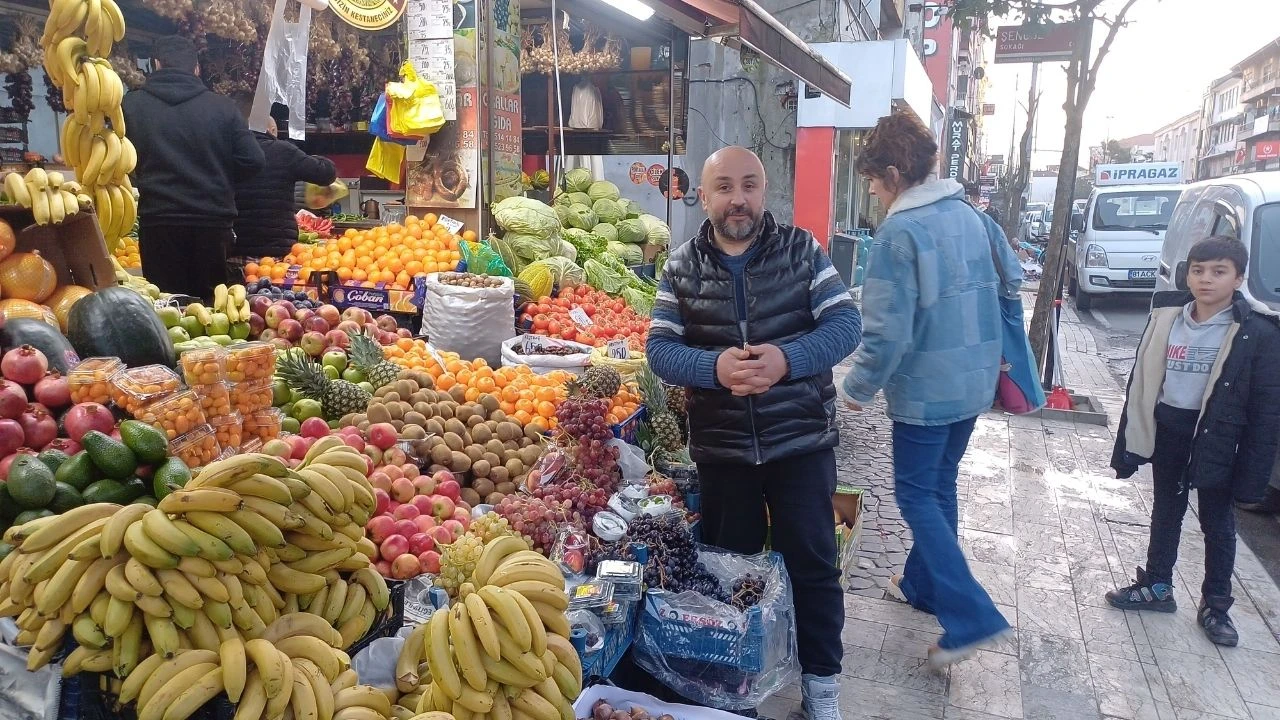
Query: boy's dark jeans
{"x":1175,"y":430}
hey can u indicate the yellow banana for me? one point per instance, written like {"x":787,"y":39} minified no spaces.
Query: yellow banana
{"x":221,"y":473}
{"x":362,"y":696}
{"x":234,"y":667}
{"x":283,"y":517}
{"x":113,"y":13}
{"x":321,"y":561}
{"x":443,"y":671}
{"x":512,"y":617}
{"x":119,"y":613}
{"x":98,"y":609}
{"x":61,"y":586}
{"x":346,"y":679}
{"x":223,"y":528}
{"x":467,"y":649}
{"x":524,"y":661}
{"x":153,"y":706}
{"x":199,"y":567}
{"x":70,"y":204}
{"x":495,"y":551}
{"x":16,"y":188}
{"x":47,"y":535}
{"x":375,"y":585}
{"x":57,"y":210}
{"x":117,"y":524}
{"x":213,"y":500}
{"x":276,"y":704}
{"x":161,"y":529}
{"x":356,"y":627}
{"x":534,"y":705}
{"x":209,"y":547}
{"x":338,"y":481}
{"x":163,"y":634}
{"x":146,"y":550}
{"x":566,"y":654}
{"x":318,"y":686}
{"x":302,"y":623}
{"x":482,"y":621}
{"x":263,"y":486}
{"x":543,"y":571}
{"x":133,"y":682}
{"x":253,"y":702}
{"x":184,"y":616}
{"x":538,"y":632}
{"x":89,"y":174}
{"x":168,"y":670}
{"x":411,"y":654}
{"x":142,"y":578}
{"x":127,"y":650}
{"x":88,"y":633}
{"x":303,"y":700}
{"x":338,"y":593}
{"x":542,"y":592}
{"x":118,"y":585}
{"x":263,"y":531}
{"x":313,"y":649}
{"x":290,"y":580}
{"x":191,"y":699}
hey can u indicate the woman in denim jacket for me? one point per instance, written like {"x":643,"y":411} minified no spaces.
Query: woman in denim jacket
{"x":931,"y":340}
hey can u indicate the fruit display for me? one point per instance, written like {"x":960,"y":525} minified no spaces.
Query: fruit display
{"x":303,"y":374}
{"x":77,"y":41}
{"x":586,"y":316}
{"x":50,"y":197}
{"x":503,"y":648}
{"x":391,"y":254}
{"x":470,"y":280}
{"x":127,"y":253}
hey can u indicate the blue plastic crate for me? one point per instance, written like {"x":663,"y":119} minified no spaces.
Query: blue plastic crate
{"x":741,"y":647}
{"x":627,"y":429}
{"x":617,"y":641}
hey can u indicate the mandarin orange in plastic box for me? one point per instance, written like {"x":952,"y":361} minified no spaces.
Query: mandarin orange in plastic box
{"x":90,"y":379}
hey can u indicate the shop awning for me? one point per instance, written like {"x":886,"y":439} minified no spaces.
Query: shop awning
{"x":743,"y":23}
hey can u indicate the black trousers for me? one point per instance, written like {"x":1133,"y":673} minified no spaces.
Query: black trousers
{"x":1175,"y":429}
{"x":184,"y":259}
{"x":797,"y":492}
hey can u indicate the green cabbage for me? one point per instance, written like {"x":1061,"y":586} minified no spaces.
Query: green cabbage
{"x":562,"y":213}
{"x":526,"y":216}
{"x":607,"y":211}
{"x":532,"y":247}
{"x":578,"y":180}
{"x":564,"y":270}
{"x":631,"y":231}
{"x":639,"y":299}
{"x":562,"y":197}
{"x":588,"y":244}
{"x":657,"y":232}
{"x":580,"y":198}
{"x":606,"y":232}
{"x":567,"y":250}
{"x":629,"y":254}
{"x":581,"y":216}
{"x":603,"y":189}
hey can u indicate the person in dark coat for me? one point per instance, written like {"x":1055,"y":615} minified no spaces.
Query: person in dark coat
{"x":193,"y":146}
{"x":1203,"y":407}
{"x":266,"y":203}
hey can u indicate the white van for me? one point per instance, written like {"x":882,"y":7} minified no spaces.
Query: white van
{"x":1246,"y":207}
{"x":1118,"y":248}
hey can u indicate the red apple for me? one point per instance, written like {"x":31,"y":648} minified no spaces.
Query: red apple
{"x":312,"y":343}
{"x":462,"y":515}
{"x":394,"y":455}
{"x":442,"y":507}
{"x":275,"y":315}
{"x":423,"y":503}
{"x":330,"y":314}
{"x":383,"y":436}
{"x":357,"y":315}
{"x":267,"y":335}
{"x":383,"y":567}
{"x":391,"y":507}
{"x":406,"y":527}
{"x":280,"y":343}
{"x":303,"y":314}
{"x":354,"y":440}
{"x":258,"y":305}
{"x":380,"y":527}
{"x":385,"y":338}
{"x":348,"y":326}
{"x":292,"y":331}
{"x":454,"y":527}
{"x":278,"y":447}
{"x":256,"y":325}
{"x":425,"y":522}
{"x":411,"y":471}
{"x":382,"y":501}
{"x":299,"y":446}
{"x":404,"y":332}
{"x":420,"y":543}
{"x":405,"y":567}
{"x":393,"y":547}
{"x":393,"y":471}
{"x":441,"y":535}
{"x":288,"y":306}
{"x":338,"y":339}
{"x":316,"y":324}
{"x":314,"y":427}
{"x":406,"y":511}
{"x":380,"y":481}
{"x":425,"y":484}
{"x":402,"y":490}
{"x":449,"y":488}
{"x":430,"y":561}
{"x":387,"y":322}
{"x":374,"y":455}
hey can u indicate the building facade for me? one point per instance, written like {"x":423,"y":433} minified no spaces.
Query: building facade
{"x":1258,"y":140}
{"x":1220,"y":116}
{"x":1179,"y":142}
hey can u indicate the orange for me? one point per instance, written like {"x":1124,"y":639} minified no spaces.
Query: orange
{"x":469,"y":235}
{"x":523,"y":417}
{"x":546,"y":409}
{"x":251,"y":268}
{"x":472,"y":394}
{"x":430,"y":219}
{"x":446,"y":381}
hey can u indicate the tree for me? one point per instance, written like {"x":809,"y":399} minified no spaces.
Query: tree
{"x":1117,"y":153}
{"x":1082,"y":78}
{"x":1021,"y":173}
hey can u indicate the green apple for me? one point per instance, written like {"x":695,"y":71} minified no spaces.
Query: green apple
{"x":220,"y":325}
{"x":367,"y":386}
{"x":178,"y":335}
{"x":192,"y":325}
{"x":223,"y":340}
{"x":291,"y":425}
{"x":353,"y":374}
{"x":336,"y":359}
{"x":287,"y":409}
{"x":170,"y":316}
{"x":331,"y":372}
{"x":280,"y":392}
{"x":240,"y":331}
{"x":294,"y":395}
{"x":307,"y":408}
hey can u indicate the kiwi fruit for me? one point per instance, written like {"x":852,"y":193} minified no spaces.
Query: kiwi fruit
{"x":499,"y":474}
{"x":481,"y":434}
{"x":405,"y":388}
{"x":511,"y":446}
{"x":490,"y":403}
{"x":475,"y":420}
{"x":514,"y":467}
{"x":492,"y":459}
{"x":482,"y":484}
{"x":533,"y":430}
{"x":434,"y":426}
{"x":480,"y":468}
{"x":493,"y":446}
{"x":454,"y":441}
{"x":364,"y":426}
{"x":475,"y":452}
{"x":470,"y":497}
{"x":494,"y":498}
{"x":378,"y":413}
{"x":506,"y":488}
{"x":397,"y":410}
{"x":413,"y":417}
{"x":498,"y":416}
{"x":508,"y":431}
{"x":460,"y":462}
{"x":529,"y":456}
{"x":391,"y":397}
{"x":441,"y":454}
{"x":398,"y":425}
{"x":463,"y":413}
{"x":458,"y":393}
{"x":412,"y":431}
{"x":454,"y":426}
{"x":419,"y":397}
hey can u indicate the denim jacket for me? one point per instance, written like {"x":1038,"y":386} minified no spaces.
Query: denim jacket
{"x":931,"y":315}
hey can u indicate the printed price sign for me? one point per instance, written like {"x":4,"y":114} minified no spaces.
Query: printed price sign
{"x":450,"y":224}
{"x":618,"y":350}
{"x":580,"y":317}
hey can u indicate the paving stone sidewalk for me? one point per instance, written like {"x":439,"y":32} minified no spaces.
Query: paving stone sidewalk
{"x":1047,"y":530}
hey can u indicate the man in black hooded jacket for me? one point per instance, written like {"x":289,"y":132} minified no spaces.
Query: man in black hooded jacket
{"x":193,"y":146}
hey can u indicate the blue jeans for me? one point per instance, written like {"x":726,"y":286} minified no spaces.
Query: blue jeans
{"x":936,"y":579}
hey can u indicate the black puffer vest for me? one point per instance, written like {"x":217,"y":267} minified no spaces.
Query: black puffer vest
{"x":793,"y":417}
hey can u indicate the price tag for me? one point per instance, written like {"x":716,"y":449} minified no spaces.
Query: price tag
{"x":534,"y":344}
{"x":450,"y":224}
{"x":618,"y":350}
{"x":580,"y":317}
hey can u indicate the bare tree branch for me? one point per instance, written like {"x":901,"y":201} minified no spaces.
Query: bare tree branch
{"x":1113,"y":27}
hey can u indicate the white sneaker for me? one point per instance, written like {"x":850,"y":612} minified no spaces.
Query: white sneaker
{"x":940,"y":657}
{"x":895,"y":589}
{"x":821,"y":697}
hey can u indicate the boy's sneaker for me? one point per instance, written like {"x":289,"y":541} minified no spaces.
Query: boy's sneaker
{"x":1144,"y":595}
{"x":1217,"y":625}
{"x":821,"y":697}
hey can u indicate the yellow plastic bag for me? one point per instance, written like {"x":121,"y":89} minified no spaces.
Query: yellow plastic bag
{"x":322,"y":196}
{"x":385,"y":160}
{"x":413,"y":105}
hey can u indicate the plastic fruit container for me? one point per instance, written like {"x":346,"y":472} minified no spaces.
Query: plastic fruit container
{"x":228,"y":429}
{"x":90,"y":379}
{"x":134,"y":388}
{"x":251,"y":445}
{"x":250,"y":361}
{"x":204,"y":366}
{"x":197,"y":448}
{"x":174,"y":415}
{"x":251,"y":396}
{"x":263,"y":425}
{"x":215,"y":400}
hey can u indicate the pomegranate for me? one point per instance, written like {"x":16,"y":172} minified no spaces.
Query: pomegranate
{"x":8,"y":460}
{"x":66,"y":445}
{"x":84,"y":417}
{"x":11,"y":436}
{"x":13,"y":399}
{"x":38,"y":425}
{"x":24,"y":365}
{"x":53,"y":391}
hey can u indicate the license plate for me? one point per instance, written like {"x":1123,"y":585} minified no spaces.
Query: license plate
{"x":1141,"y":274}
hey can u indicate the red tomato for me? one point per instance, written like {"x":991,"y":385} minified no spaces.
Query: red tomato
{"x":540,"y":323}
{"x":590,"y":310}
{"x":554,"y":328}
{"x":569,"y":332}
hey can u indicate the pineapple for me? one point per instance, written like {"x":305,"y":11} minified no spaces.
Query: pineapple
{"x":601,"y":382}
{"x":665,"y":425}
{"x":337,"y":397}
{"x":677,"y":400}
{"x":368,"y":358}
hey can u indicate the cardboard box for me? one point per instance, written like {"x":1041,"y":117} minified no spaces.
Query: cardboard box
{"x":74,"y":247}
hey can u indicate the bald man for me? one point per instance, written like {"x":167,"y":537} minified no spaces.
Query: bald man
{"x":751,"y":317}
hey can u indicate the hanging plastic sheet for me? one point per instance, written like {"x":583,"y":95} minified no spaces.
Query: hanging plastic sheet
{"x":284,"y":71}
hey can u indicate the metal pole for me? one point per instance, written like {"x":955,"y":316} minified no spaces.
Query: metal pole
{"x":672,"y":184}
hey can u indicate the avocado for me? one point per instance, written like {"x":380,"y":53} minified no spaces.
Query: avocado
{"x":106,"y":491}
{"x":8,"y":508}
{"x":136,"y":488}
{"x":53,"y":459}
{"x":114,"y":459}
{"x":5,"y":549}
{"x":28,"y":515}
{"x":78,"y":471}
{"x":31,"y":483}
{"x":146,"y":500}
{"x":149,"y":444}
{"x":65,"y":497}
{"x":171,"y":475}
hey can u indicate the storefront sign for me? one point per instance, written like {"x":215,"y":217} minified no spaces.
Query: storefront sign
{"x":1269,"y":150}
{"x":1042,"y":42}
{"x":957,"y":146}
{"x":1138,"y":174}
{"x":638,"y":173}
{"x":368,"y":14}
{"x":501,"y":115}
{"x":655,"y":174}
{"x":939,"y":49}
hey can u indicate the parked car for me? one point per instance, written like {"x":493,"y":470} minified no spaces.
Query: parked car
{"x":1117,"y":247}
{"x":1242,"y":206}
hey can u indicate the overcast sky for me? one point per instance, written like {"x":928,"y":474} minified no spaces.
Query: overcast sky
{"x":1157,"y":71}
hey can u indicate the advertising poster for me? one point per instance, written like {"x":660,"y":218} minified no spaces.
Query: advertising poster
{"x":446,"y":177}
{"x":502,"y":110}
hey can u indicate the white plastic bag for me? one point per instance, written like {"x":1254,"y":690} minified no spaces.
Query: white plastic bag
{"x":472,"y":322}
{"x":517,"y":351}
{"x":586,"y":111}
{"x":376,"y":664}
{"x":630,"y":460}
{"x":284,"y":71}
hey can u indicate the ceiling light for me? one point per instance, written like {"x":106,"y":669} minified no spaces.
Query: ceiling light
{"x":634,"y":8}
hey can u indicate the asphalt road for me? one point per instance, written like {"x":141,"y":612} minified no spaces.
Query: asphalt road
{"x":1117,"y":325}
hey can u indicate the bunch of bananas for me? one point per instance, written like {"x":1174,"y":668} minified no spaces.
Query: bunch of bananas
{"x":137,"y":283}
{"x":247,"y":546}
{"x":232,"y":300}
{"x":49,"y":196}
{"x":503,"y":650}
{"x":93,"y":135}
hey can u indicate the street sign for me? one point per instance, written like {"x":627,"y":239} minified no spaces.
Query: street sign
{"x":957,"y":146}
{"x":988,"y":108}
{"x":1266,"y":150}
{"x":1042,"y":42}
